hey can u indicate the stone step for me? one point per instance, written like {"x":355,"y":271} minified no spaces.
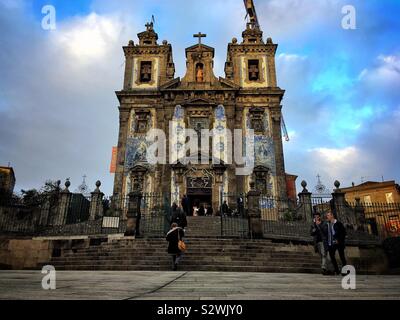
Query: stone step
{"x":241,"y":259}
{"x":195,"y":268}
{"x":203,"y":254}
{"x":247,"y":255}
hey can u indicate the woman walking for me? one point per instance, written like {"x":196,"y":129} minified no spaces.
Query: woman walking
{"x":173,"y":236}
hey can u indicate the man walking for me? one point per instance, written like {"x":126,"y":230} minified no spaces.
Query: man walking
{"x":320,"y":244}
{"x":336,"y":235}
{"x":179,"y":217}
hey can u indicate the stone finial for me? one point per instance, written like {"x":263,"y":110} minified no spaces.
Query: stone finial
{"x":131,"y":43}
{"x":337,"y":184}
{"x":304,"y":185}
{"x":67,"y":184}
{"x":269,"y":40}
{"x":234,"y":40}
{"x":165,"y":42}
{"x":98,"y":184}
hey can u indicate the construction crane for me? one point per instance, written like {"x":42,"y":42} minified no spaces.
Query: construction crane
{"x":251,"y":12}
{"x":284,"y":130}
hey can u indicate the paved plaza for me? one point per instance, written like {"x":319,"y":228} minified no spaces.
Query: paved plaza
{"x":144,"y":285}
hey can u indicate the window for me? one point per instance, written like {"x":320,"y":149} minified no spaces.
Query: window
{"x":145,"y":71}
{"x":389,"y":197}
{"x":367,"y":199}
{"x":254,"y":70}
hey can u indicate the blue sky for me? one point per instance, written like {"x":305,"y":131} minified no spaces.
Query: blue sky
{"x":58,"y":110}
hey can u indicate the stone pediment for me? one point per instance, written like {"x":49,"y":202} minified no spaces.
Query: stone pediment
{"x":173,"y":84}
{"x":199,"y":101}
{"x":200,"y":48}
{"x":225,"y":83}
{"x":219,"y":84}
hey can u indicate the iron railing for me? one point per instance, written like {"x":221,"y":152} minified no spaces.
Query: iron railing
{"x":280,"y":218}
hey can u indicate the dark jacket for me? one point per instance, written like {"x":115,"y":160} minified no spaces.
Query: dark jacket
{"x":173,"y":238}
{"x":317,"y":232}
{"x":179,"y":217}
{"x":185,"y":204}
{"x":225,"y":208}
{"x":339,"y":237}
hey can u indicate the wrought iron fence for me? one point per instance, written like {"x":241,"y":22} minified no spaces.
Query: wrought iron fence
{"x":281,"y":218}
{"x":235,"y":227}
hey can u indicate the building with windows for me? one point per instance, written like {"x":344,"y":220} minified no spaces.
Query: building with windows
{"x":248,"y":97}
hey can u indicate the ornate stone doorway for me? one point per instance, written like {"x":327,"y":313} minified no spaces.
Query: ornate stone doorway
{"x":199,"y":192}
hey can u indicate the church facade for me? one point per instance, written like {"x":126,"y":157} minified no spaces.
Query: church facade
{"x":247,"y":98}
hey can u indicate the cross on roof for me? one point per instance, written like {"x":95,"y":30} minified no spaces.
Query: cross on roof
{"x":199,"y":35}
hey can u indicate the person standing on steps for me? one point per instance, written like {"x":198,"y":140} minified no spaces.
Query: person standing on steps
{"x":173,"y":236}
{"x":335,"y":234}
{"x":225,"y":209}
{"x":179,"y":217}
{"x":185,"y":204}
{"x":320,"y":244}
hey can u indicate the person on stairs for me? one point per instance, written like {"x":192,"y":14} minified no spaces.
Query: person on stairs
{"x":336,"y":236}
{"x":317,"y":231}
{"x":179,"y":217}
{"x":173,"y":236}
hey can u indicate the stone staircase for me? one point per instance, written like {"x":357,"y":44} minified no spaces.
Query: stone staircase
{"x":206,"y":251}
{"x":203,"y":254}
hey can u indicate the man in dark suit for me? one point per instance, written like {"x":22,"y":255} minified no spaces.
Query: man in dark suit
{"x":185,"y":204}
{"x":179,"y":217}
{"x":335,"y":237}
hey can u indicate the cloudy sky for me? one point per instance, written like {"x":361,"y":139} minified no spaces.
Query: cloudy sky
{"x":58,"y":110}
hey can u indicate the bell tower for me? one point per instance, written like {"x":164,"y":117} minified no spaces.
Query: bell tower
{"x":148,"y":64}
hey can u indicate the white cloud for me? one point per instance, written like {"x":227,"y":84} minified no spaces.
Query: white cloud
{"x":386,"y":73}
{"x":90,"y":37}
{"x":336,"y":157}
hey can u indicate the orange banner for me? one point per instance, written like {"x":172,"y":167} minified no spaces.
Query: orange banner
{"x":393,"y":227}
{"x":113,"y":166}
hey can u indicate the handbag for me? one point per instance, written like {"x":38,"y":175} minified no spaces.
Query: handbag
{"x":181,"y":244}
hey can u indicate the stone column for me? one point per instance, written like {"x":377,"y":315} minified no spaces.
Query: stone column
{"x":340,"y":207}
{"x":118,"y":196}
{"x":96,"y":203}
{"x":60,"y":218}
{"x":306,"y":209}
{"x":219,"y":170}
{"x":134,"y":214}
{"x":359,"y":213}
{"x":135,"y":197}
{"x":254,"y":212}
{"x":276,"y":116}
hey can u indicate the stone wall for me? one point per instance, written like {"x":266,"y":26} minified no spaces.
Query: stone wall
{"x":18,"y":254}
{"x":23,"y":253}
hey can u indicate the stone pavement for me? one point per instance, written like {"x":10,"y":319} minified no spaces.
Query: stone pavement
{"x":148,"y":285}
